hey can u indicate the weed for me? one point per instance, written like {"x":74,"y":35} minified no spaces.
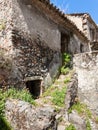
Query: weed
{"x":96,"y":120}
{"x":81,"y":109}
{"x":2,"y":25}
{"x":66,"y":59}
{"x":49,"y":91}
{"x":71,"y":127}
{"x":15,"y":94}
{"x":58,"y":97}
{"x":4,"y":125}
{"x":65,"y":70}
{"x":66,"y":63}
{"x":88,"y":126}
{"x":67,"y":80}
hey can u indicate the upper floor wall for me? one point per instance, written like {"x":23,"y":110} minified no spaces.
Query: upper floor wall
{"x":30,"y":21}
{"x":90,"y":28}
{"x":86,"y":24}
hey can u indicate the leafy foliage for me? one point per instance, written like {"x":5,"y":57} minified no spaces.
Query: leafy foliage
{"x":66,"y":63}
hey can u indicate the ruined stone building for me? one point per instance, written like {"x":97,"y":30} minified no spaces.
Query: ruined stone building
{"x":33,"y":36}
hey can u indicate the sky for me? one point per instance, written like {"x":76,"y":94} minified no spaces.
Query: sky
{"x":78,"y":6}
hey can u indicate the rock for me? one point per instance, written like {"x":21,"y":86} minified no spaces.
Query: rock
{"x":61,"y":127}
{"x":24,"y":116}
{"x":78,"y":122}
{"x":94,"y":126}
{"x":72,"y":92}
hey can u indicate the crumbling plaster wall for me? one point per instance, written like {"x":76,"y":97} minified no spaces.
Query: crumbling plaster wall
{"x":86,"y":66}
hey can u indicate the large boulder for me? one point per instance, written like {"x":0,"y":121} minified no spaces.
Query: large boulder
{"x":24,"y":116}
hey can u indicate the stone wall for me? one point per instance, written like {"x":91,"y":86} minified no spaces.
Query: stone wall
{"x":5,"y":40}
{"x":33,"y":58}
{"x":31,"y":21}
{"x":94,"y":46}
{"x":31,"y":40}
{"x":5,"y":24}
{"x":86,"y":66}
{"x":76,"y":45}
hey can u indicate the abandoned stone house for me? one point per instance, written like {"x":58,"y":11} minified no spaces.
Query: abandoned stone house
{"x":33,"y":36}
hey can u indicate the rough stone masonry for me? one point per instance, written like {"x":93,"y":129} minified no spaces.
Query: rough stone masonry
{"x":86,"y":66}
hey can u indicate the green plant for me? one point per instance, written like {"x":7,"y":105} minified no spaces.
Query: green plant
{"x":71,"y":127}
{"x":2,"y":25}
{"x":49,"y":91}
{"x":65,"y":70}
{"x":66,"y":63}
{"x":81,"y":109}
{"x":66,"y":59}
{"x":67,"y":80}
{"x":96,"y":119}
{"x":20,"y":94}
{"x":15,"y":94}
{"x":58,"y":97}
{"x":4,"y":125}
{"x":88,"y":126}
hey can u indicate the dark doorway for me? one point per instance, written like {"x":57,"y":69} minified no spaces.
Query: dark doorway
{"x":64,"y":43}
{"x":81,"y":48}
{"x":34,"y":87}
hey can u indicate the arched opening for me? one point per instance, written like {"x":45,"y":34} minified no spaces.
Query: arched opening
{"x":34,"y":86}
